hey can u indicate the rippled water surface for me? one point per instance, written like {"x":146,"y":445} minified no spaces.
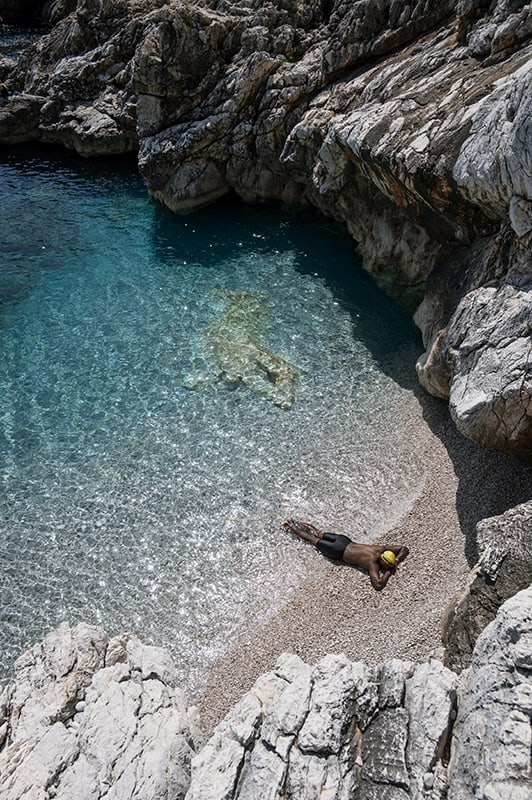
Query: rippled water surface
{"x":142,"y":489}
{"x":14,"y":39}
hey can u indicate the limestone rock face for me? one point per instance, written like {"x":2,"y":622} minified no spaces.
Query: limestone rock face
{"x":342,"y":730}
{"x":338,"y":730}
{"x":94,"y":717}
{"x":90,"y":717}
{"x":492,"y":735}
{"x":503,"y":570}
{"x":410,"y":123}
{"x":480,"y":358}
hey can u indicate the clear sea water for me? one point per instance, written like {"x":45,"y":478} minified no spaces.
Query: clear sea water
{"x":14,"y":39}
{"x":133,"y":501}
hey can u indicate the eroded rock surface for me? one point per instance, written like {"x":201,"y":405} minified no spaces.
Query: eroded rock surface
{"x":503,"y":570}
{"x":91,"y":716}
{"x":338,"y":730}
{"x":343,"y":730}
{"x":410,"y":123}
{"x":493,"y":733}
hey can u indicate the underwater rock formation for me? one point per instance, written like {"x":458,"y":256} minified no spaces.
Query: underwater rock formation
{"x":239,"y":355}
{"x":408,"y":123}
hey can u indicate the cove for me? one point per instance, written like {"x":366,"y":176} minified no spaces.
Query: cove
{"x":143,"y":483}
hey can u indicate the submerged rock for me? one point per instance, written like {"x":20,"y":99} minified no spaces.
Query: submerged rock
{"x":240,"y":356}
{"x":410,"y":124}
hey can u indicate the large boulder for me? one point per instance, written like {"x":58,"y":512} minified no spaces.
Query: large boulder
{"x":492,"y":738}
{"x":504,"y":569}
{"x":93,"y":717}
{"x":338,"y":729}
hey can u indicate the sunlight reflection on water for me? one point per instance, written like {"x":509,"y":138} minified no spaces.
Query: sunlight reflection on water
{"x":133,"y":501}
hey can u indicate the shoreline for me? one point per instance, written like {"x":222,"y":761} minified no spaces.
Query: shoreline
{"x":336,"y":610}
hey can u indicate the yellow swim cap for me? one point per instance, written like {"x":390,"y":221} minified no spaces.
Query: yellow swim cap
{"x":388,"y":558}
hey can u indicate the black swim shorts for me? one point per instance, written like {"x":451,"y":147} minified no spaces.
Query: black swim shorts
{"x":333,"y":545}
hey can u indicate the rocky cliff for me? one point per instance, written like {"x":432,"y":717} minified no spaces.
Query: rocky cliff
{"x":94,"y":717}
{"x":503,"y":569}
{"x":410,"y":123}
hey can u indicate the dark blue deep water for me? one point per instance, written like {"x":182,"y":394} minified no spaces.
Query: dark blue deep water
{"x":142,"y":482}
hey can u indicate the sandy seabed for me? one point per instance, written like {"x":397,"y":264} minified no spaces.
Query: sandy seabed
{"x":337,"y":611}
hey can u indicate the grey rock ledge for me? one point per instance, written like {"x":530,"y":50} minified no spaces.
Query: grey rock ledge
{"x":93,"y":717}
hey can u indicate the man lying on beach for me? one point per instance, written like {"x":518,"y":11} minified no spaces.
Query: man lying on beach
{"x":380,"y":561}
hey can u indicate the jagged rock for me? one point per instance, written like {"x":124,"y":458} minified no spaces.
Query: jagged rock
{"x":6,"y":65}
{"x":503,"y":570}
{"x":492,"y":736}
{"x":409,"y":123}
{"x":385,"y":732}
{"x":55,"y":10}
{"x":90,"y":716}
{"x":338,"y":730}
{"x":508,"y":23}
{"x":21,"y":125}
{"x":480,"y":358}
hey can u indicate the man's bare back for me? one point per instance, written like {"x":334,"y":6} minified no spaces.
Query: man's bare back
{"x":341,"y":548}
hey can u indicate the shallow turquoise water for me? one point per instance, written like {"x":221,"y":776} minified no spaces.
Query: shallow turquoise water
{"x":129,"y":498}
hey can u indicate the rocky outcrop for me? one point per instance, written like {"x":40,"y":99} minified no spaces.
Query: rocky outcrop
{"x":339,"y":730}
{"x":504,"y":569}
{"x":408,"y":123}
{"x":492,"y":738}
{"x":90,"y":717}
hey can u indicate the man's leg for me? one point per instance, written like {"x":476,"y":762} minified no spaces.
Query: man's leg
{"x":303,"y":529}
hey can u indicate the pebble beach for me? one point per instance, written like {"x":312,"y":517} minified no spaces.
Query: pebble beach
{"x":336,"y":610}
